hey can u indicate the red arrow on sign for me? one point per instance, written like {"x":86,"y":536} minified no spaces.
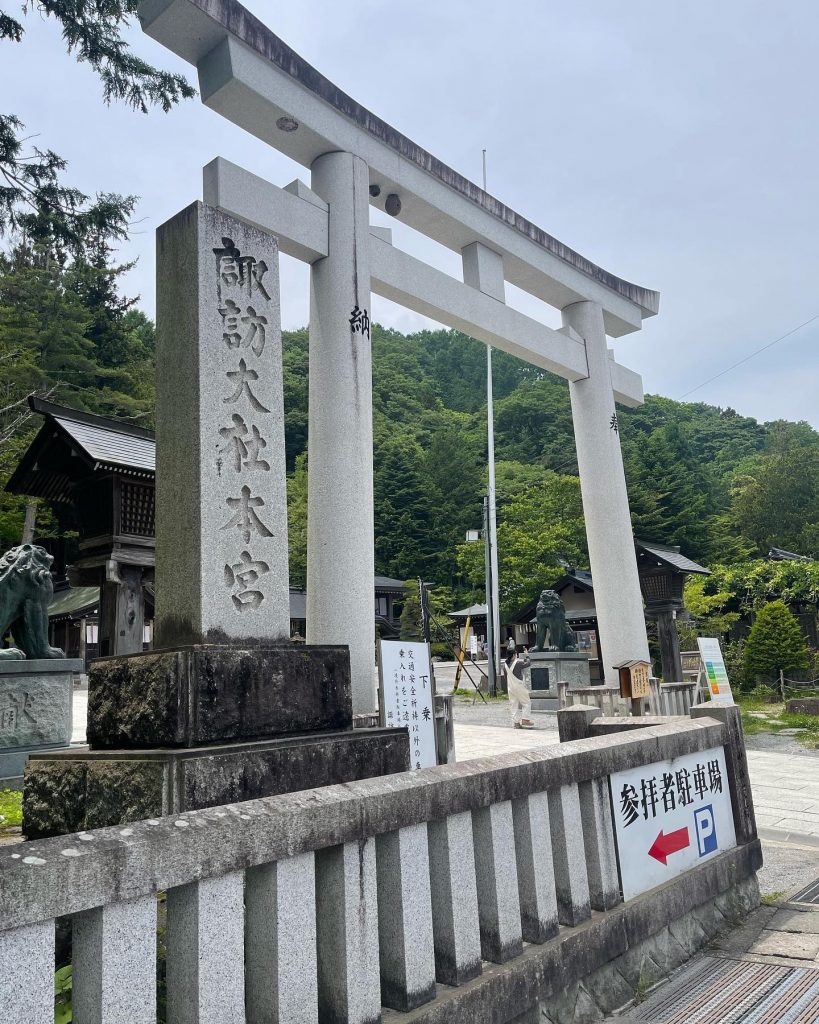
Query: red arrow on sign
{"x":664,"y":845}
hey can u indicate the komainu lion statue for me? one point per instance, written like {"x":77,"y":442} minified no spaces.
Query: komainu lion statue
{"x":26,"y":589}
{"x":550,"y":614}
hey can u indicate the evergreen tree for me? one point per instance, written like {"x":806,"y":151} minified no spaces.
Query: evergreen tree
{"x":775,"y":643}
{"x":775,"y":496}
{"x":297,"y":522}
{"x":668,"y":490}
{"x":33,"y":199}
{"x":404,"y":514}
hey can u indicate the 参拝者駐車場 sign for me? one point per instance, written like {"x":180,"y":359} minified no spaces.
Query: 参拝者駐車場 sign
{"x":670,"y":816}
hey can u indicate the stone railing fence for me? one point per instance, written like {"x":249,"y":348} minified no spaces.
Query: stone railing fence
{"x":329,"y":904}
{"x":673,"y":698}
{"x":666,"y":698}
{"x":606,"y":698}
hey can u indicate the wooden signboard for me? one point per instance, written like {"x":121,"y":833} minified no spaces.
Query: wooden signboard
{"x":634,"y":679}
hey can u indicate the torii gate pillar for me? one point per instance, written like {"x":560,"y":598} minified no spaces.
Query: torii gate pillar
{"x":340,"y":522}
{"x":617,"y":597}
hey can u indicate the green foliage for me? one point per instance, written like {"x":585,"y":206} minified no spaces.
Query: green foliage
{"x":540,"y":524}
{"x":708,"y":610}
{"x":440,"y":604}
{"x":775,"y":496}
{"x":297,"y":522}
{"x":63,"y":991}
{"x":746,"y":586}
{"x":11,"y":808}
{"x":775,"y":643}
{"x":33,"y":200}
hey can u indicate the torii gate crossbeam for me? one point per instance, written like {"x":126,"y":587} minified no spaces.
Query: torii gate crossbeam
{"x":253,"y":78}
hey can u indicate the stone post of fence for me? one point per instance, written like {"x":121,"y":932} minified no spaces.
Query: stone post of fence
{"x":444,"y":728}
{"x":736,"y":761}
{"x":574,"y":723}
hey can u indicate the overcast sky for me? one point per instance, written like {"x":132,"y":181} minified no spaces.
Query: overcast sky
{"x":673,"y":144}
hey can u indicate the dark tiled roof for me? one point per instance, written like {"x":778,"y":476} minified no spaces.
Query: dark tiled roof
{"x":111,"y":447}
{"x":386,"y":583}
{"x":671,"y":556}
{"x":74,"y":600}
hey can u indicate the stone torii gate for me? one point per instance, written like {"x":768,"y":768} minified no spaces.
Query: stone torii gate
{"x":250,"y":76}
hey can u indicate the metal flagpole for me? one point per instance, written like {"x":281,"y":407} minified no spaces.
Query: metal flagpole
{"x":492,"y":591}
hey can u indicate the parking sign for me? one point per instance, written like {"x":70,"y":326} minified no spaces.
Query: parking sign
{"x":670,"y":816}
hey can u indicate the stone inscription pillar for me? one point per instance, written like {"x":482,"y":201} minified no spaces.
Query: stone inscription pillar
{"x":221,"y":489}
{"x":617,"y":596}
{"x":340,"y":530}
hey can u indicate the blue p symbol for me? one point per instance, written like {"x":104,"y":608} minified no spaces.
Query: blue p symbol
{"x":706,"y":829}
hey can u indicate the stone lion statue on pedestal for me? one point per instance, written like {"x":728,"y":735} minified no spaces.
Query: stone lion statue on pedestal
{"x":26,"y":590}
{"x":551,"y":615}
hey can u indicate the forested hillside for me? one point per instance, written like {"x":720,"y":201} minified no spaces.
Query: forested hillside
{"x":722,"y":486}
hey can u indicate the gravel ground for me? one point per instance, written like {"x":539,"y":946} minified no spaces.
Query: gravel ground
{"x":787,"y":868}
{"x":779,"y":744}
{"x":495,"y":713}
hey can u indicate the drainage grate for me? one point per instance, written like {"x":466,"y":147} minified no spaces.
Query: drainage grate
{"x":810,"y":894}
{"x":720,"y":991}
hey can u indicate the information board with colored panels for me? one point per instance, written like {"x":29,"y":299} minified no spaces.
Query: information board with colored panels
{"x":719,"y":687}
{"x":669,"y":817}
{"x":408,"y":696}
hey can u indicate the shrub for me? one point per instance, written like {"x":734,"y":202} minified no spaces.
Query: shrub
{"x":775,"y":643}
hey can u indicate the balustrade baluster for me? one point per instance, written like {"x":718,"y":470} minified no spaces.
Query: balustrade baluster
{"x":405,"y":918}
{"x":536,"y":876}
{"x":457,"y":937}
{"x":205,"y":947}
{"x":114,"y":958}
{"x":280,"y":942}
{"x":349,"y":989}
{"x":497,"y":880}
{"x":27,"y":974}
{"x":598,"y":840}
{"x":569,"y":854}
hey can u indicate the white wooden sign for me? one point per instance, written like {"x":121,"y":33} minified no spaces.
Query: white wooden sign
{"x":408,"y":697}
{"x":719,"y":686}
{"x":669,"y":817}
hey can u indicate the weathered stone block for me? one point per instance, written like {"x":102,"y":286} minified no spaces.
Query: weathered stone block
{"x":82,"y":789}
{"x":803,"y":706}
{"x":119,"y":791}
{"x":54,"y":797}
{"x":35,"y":708}
{"x":570,"y":667}
{"x":206,"y":694}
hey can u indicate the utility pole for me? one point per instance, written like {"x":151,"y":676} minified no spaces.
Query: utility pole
{"x":490,"y":624}
{"x":492,"y":589}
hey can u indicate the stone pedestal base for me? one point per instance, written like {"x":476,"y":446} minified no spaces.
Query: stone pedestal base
{"x":548,"y":668}
{"x":35,"y":711}
{"x":84,"y":789}
{"x":210,"y":693}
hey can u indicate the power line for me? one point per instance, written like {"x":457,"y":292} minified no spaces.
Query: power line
{"x":749,"y":357}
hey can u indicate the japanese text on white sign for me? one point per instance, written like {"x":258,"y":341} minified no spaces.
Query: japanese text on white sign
{"x":669,"y":817}
{"x":408,"y":697}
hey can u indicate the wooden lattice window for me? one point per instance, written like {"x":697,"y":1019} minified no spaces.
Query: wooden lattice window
{"x":137,"y":509}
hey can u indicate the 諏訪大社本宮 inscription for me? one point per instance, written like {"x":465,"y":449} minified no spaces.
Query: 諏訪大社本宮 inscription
{"x":220,"y":402}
